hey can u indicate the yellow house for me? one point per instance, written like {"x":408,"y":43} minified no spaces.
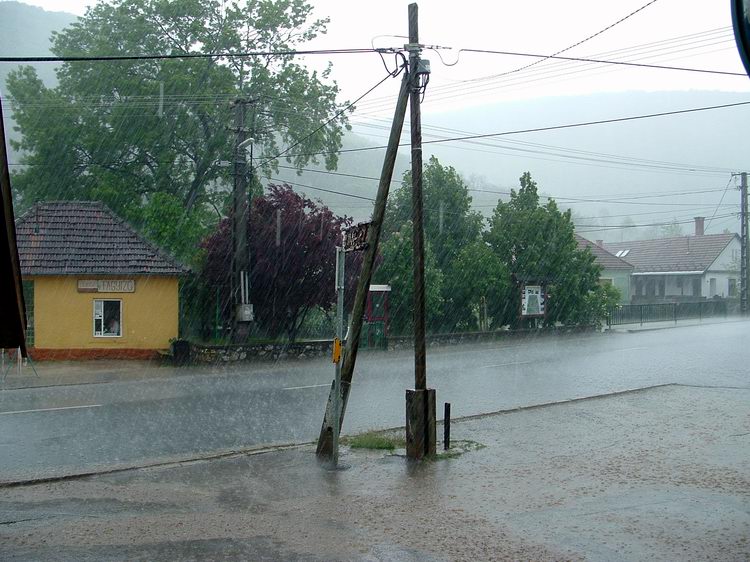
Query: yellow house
{"x":99,"y":288}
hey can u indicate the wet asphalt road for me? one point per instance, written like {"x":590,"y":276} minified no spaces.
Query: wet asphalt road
{"x":72,"y":429}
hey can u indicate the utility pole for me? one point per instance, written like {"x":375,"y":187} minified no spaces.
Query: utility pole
{"x":340,"y":261}
{"x":242,"y":310}
{"x":334,"y":406}
{"x":743,"y":244}
{"x":420,"y":402}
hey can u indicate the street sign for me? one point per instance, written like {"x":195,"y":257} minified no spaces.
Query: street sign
{"x":532,"y":301}
{"x":336,"y":350}
{"x":355,"y":237}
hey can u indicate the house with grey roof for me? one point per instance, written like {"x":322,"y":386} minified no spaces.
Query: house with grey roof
{"x":615,"y":271}
{"x":95,"y":287}
{"x":685,"y":268}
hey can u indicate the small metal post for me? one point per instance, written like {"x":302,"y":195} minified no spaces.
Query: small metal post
{"x":641,"y":315}
{"x":447,"y":426}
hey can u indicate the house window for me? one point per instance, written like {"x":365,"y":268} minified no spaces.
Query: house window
{"x":107,"y":318}
{"x":733,"y":287}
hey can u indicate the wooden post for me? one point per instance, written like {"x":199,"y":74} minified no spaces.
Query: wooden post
{"x":420,"y":359}
{"x":325,"y":439}
{"x":240,"y":215}
{"x":420,"y":403}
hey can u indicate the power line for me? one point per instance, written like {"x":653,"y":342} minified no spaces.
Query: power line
{"x":720,"y":201}
{"x":601,"y":61}
{"x":225,"y":54}
{"x":595,"y":228}
{"x":631,"y":14}
{"x":335,"y":116}
{"x":543,"y":129}
{"x":469,"y":85}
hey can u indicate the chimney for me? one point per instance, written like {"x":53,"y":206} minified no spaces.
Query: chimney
{"x":699,"y":226}
{"x":600,"y":243}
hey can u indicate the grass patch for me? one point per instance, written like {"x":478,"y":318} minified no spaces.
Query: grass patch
{"x":375,"y":440}
{"x":457,"y":449}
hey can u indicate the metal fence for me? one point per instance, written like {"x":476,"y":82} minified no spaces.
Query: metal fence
{"x":665,"y":312}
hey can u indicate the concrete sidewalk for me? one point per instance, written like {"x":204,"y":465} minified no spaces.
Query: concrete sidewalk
{"x":61,"y":373}
{"x":659,"y":474}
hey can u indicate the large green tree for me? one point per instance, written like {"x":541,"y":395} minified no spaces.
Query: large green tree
{"x":106,"y":132}
{"x":397,"y":270}
{"x":449,"y":222}
{"x":537,"y":243}
{"x":478,"y":282}
{"x":450,"y":227}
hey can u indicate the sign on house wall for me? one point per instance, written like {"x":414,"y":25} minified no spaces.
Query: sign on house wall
{"x":106,"y":286}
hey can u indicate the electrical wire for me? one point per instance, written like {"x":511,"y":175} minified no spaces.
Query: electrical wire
{"x":720,"y":201}
{"x":543,"y":129}
{"x":564,"y":69}
{"x":601,"y":61}
{"x":620,"y":227}
{"x":225,"y":54}
{"x":335,"y":116}
{"x":582,"y":41}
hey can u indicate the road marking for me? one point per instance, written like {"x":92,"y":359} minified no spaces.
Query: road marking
{"x":51,"y":409}
{"x":301,"y":387}
{"x":506,"y":364}
{"x":630,"y":348}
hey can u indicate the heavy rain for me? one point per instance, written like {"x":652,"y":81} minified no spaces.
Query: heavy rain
{"x":314,"y":280}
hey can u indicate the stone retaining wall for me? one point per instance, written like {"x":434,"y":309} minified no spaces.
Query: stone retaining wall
{"x":201,"y":353}
{"x":258,"y":352}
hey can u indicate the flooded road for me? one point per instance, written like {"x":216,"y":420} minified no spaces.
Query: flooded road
{"x":189,"y":412}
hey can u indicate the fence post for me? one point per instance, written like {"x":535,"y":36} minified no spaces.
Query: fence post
{"x":674,"y":312}
{"x":700,"y":311}
{"x":641,"y":315}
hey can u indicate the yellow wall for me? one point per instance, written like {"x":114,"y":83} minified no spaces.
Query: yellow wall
{"x":63,"y":317}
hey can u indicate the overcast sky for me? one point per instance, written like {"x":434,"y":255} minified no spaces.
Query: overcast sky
{"x":689,"y":33}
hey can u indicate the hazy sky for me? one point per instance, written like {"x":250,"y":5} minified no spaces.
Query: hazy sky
{"x":689,"y":33}
{"x":676,"y":32}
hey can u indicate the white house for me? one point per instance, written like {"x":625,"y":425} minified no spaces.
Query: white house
{"x":685,"y":268}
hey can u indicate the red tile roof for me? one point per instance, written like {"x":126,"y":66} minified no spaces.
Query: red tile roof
{"x":684,"y":253}
{"x":86,"y":237}
{"x":604,"y":258}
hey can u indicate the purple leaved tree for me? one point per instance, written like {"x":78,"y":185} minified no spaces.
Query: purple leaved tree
{"x":293,"y":243}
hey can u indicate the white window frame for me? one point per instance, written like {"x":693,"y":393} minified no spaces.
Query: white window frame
{"x":95,"y":318}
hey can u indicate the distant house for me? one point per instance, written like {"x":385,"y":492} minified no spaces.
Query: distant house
{"x":615,"y":271}
{"x":94,"y":286}
{"x":686,"y":268}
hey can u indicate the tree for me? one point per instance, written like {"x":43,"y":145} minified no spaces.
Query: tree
{"x":671,"y":230}
{"x":537,"y":243}
{"x":477,"y":275}
{"x":449,"y":222}
{"x":105,"y":133}
{"x":397,"y":271}
{"x":449,"y":225}
{"x":292,"y":278}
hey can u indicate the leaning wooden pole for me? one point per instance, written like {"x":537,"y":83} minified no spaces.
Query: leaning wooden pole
{"x":325,"y":440}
